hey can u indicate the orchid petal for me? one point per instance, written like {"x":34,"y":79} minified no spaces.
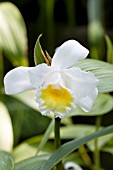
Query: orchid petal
{"x":68,"y":54}
{"x":39,"y":74}
{"x":83,"y":84}
{"x":17,"y":81}
{"x":55,"y":79}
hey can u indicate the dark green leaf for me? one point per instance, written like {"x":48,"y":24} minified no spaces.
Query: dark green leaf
{"x":38,"y":52}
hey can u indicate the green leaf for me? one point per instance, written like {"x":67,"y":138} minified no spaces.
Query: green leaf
{"x":6,"y":161}
{"x":27,"y":121}
{"x":102,"y":105}
{"x":38,"y":52}
{"x":102,"y":70}
{"x":13,"y":39}
{"x":75,"y":131}
{"x":29,"y":147}
{"x":6,"y":130}
{"x":81,"y":130}
{"x":71,"y":146}
{"x":109,"y":49}
{"x":32,"y":163}
{"x":102,"y":141}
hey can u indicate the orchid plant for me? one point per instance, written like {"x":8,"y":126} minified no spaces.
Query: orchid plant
{"x":67,"y":85}
{"x":60,"y":87}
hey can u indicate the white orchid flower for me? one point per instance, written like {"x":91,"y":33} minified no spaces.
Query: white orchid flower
{"x":59,"y":87}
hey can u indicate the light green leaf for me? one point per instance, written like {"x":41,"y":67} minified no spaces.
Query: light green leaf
{"x":6,"y":130}
{"x":75,"y":131}
{"x":33,"y":163}
{"x":13,"y":36}
{"x":102,"y":141}
{"x":102,"y":105}
{"x":29,"y":148}
{"x":6,"y":161}
{"x":109,"y":49}
{"x":102,"y":70}
{"x":38,"y":52}
{"x":71,"y":146}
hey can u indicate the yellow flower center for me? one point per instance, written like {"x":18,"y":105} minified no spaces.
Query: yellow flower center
{"x":57,"y":99}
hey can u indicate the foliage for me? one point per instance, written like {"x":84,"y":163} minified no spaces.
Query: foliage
{"x":26,"y":134}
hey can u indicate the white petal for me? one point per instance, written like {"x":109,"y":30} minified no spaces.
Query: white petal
{"x":84,"y":86}
{"x":39,"y":74}
{"x":68,"y":54}
{"x":55,"y":79}
{"x":44,"y":75}
{"x":17,"y":80}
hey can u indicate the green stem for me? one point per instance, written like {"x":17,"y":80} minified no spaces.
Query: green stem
{"x":57,"y":141}
{"x":97,"y":153}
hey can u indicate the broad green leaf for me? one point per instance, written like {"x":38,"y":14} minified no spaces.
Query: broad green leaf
{"x":29,"y":148}
{"x":13,"y":36}
{"x":71,"y":146}
{"x":33,"y":163}
{"x":27,"y":122}
{"x":109,"y":49}
{"x":6,"y":161}
{"x":102,"y":70}
{"x":102,"y":105}
{"x":38,"y":52}
{"x":75,"y":131}
{"x":6,"y":130}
